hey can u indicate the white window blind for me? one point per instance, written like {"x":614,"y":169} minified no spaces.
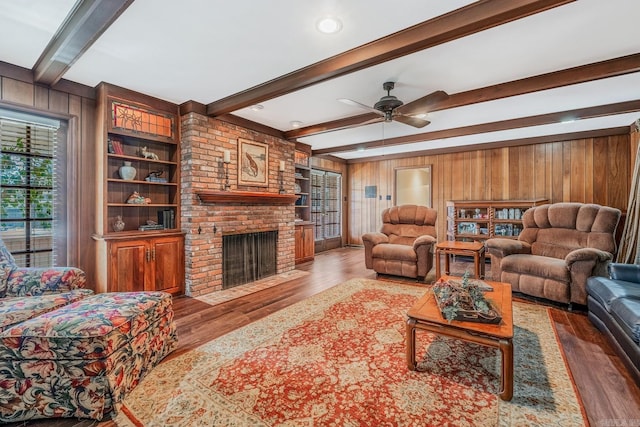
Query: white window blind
{"x":29,"y":181}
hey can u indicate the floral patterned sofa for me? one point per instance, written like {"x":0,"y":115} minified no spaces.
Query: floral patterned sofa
{"x":65,"y":352}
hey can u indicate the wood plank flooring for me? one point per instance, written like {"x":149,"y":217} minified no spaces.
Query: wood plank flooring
{"x":609,"y":394}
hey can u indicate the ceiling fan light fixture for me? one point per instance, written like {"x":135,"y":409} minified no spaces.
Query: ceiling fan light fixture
{"x":329,"y":25}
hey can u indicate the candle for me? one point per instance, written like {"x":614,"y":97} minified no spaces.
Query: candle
{"x":227,"y":156}
{"x":281,"y":166}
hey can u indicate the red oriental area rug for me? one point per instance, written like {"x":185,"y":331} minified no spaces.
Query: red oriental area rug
{"x":338,"y":359}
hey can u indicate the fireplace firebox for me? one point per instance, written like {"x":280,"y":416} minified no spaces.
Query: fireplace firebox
{"x":248,"y":257}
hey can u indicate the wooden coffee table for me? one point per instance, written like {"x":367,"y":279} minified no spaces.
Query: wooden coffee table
{"x":455,"y":247}
{"x":426,"y":315}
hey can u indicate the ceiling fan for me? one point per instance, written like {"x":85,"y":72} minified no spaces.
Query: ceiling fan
{"x":391,"y":108}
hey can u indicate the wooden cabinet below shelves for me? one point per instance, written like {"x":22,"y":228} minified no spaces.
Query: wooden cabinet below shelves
{"x":145,"y":264}
{"x":305,"y":243}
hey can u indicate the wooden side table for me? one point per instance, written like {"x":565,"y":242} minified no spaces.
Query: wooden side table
{"x":454,"y":247}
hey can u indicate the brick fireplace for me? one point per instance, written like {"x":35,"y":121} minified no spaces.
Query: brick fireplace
{"x":203,"y":142}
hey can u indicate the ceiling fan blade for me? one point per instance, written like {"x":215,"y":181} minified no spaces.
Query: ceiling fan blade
{"x":357,"y":104}
{"x":416,"y":122}
{"x":424,"y":104}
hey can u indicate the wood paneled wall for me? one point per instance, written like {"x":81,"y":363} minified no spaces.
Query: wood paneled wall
{"x":594,"y":170}
{"x":75,"y":103}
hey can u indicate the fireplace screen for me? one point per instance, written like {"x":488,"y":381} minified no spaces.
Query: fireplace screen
{"x":248,"y":257}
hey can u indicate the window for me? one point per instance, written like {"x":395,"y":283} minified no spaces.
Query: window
{"x":30,"y":173}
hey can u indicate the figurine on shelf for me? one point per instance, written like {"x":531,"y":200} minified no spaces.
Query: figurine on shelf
{"x":136,"y":199}
{"x":148,"y":154}
{"x":118,"y":224}
{"x":156,"y":176}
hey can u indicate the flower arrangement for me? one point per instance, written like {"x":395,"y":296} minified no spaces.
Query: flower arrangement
{"x":465,"y":301}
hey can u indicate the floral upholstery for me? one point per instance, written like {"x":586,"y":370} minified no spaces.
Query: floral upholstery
{"x":82,"y":359}
{"x":18,"y":309}
{"x":20,"y":281}
{"x":65,"y":352}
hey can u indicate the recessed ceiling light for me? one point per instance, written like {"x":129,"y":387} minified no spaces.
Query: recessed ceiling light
{"x":296,"y":123}
{"x":566,"y":121}
{"x":256,"y":107}
{"x":329,"y":25}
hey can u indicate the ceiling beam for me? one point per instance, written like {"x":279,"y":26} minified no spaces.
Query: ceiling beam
{"x":80,"y":29}
{"x":459,"y":23}
{"x":539,"y":120}
{"x":570,"y":76}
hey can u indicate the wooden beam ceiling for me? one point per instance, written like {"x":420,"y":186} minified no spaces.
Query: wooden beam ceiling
{"x":542,"y":119}
{"x":85,"y":23}
{"x":459,"y":23}
{"x":570,"y":76}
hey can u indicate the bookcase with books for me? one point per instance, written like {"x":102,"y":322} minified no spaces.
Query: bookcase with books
{"x":138,"y":185}
{"x":304,"y":235}
{"x":478,"y":220}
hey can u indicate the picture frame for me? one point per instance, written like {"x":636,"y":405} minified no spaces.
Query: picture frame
{"x":253,"y":163}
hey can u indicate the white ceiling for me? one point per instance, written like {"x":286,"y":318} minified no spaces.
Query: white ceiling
{"x":205,"y":50}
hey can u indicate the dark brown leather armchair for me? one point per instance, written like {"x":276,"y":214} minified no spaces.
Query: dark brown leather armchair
{"x":404,"y":246}
{"x":560,"y":246}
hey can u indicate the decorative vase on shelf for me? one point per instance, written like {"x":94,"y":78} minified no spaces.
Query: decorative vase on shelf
{"x":118,"y":224}
{"x":127,"y":171}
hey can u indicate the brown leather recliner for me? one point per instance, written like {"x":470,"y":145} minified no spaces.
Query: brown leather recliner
{"x":560,"y":246}
{"x":404,"y":246}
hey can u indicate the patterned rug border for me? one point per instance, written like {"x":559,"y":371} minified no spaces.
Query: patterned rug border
{"x":259,"y":330}
{"x":219,"y":297}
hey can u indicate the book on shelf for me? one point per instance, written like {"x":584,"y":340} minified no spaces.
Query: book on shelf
{"x":167,"y":218}
{"x":116,"y":145}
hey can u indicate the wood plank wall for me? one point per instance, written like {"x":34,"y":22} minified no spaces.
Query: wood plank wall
{"x":76,"y":103}
{"x":594,"y":170}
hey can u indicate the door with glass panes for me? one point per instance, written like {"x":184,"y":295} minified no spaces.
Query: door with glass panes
{"x":326,"y":209}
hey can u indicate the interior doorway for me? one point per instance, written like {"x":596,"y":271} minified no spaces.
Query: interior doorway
{"x":326,"y":209}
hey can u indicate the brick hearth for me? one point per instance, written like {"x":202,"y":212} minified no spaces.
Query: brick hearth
{"x":203,"y":141}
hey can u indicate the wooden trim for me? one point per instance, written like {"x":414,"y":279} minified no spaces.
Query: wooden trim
{"x":255,"y":198}
{"x":25,"y":75}
{"x":193,"y":107}
{"x":459,"y":23}
{"x":624,"y":130}
{"x":542,"y":119}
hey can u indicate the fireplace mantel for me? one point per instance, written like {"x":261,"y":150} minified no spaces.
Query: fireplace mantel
{"x":256,"y":198}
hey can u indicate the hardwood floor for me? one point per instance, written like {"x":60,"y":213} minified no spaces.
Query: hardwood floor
{"x":609,"y":394}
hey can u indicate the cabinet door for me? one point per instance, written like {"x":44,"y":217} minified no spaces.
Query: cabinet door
{"x":308,"y":241}
{"x":128,"y":266}
{"x":167,"y":255}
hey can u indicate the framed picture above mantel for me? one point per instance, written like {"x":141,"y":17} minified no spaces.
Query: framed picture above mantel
{"x":253,"y":163}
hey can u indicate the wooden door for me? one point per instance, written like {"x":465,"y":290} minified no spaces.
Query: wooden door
{"x":127,"y":266}
{"x":167,"y":257}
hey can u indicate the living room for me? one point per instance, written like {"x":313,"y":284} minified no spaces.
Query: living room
{"x":494,"y":157}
